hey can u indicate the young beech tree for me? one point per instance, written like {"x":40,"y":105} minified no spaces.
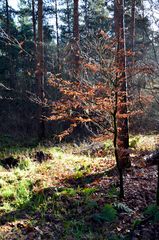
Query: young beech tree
{"x":121,"y":140}
{"x":93,"y":102}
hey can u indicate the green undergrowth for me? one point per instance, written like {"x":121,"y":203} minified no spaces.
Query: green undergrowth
{"x":65,"y":190}
{"x":18,"y":185}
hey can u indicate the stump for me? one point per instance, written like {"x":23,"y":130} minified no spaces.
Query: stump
{"x":9,"y":162}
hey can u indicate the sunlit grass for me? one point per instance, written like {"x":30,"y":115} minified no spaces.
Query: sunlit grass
{"x":24,"y":187}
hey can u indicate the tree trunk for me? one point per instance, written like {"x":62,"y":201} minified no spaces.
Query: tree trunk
{"x":121,"y":80}
{"x":76,"y":38}
{"x":68,"y":17}
{"x":157,"y":195}
{"x":86,"y":15}
{"x":132,"y":32}
{"x":7,"y":18}
{"x":76,"y":20}
{"x":34,"y":21}
{"x":40,"y":72}
{"x":57,"y":38}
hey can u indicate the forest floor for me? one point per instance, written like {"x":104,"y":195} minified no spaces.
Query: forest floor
{"x":72,"y":193}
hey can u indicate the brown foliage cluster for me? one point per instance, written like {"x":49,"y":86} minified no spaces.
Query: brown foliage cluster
{"x":90,"y":97}
{"x":80,"y":102}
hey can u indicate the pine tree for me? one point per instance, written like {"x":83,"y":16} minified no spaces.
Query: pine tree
{"x":40,"y":71}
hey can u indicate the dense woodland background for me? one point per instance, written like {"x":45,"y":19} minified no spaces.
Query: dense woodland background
{"x":78,"y":43}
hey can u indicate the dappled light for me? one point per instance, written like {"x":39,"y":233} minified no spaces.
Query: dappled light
{"x":79,"y":120}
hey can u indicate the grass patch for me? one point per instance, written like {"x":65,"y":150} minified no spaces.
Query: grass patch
{"x":71,"y":193}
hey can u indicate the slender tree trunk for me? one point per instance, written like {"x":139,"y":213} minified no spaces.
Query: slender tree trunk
{"x":11,"y":72}
{"x":157,"y":196}
{"x":68,"y":17}
{"x":40,"y":71}
{"x":121,"y":79}
{"x":131,"y":47}
{"x":57,"y":37}
{"x":7,"y":18}
{"x":34,"y":21}
{"x":76,"y":37}
{"x":132,"y":32}
{"x":34,"y":35}
{"x":76,"y":20}
{"x":86,"y":14}
{"x":121,"y":193}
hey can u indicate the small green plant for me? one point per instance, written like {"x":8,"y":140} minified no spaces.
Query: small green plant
{"x":121,"y":207}
{"x":88,"y":191}
{"x":37,"y":201}
{"x":2,"y":183}
{"x":5,"y":207}
{"x":152,"y":211}
{"x":136,"y":223}
{"x":113,"y":192}
{"x":134,"y":141}
{"x":23,"y":192}
{"x":78,"y":174}
{"x":92,"y":204}
{"x":67,"y":191}
{"x":24,"y":164}
{"x":108,"y":213}
{"x":114,"y":237}
{"x":8,"y":193}
{"x":76,"y":228}
{"x":108,"y":145}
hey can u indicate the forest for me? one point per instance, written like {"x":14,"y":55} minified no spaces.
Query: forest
{"x":79,"y":119}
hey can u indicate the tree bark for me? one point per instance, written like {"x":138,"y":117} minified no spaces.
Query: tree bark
{"x":157,"y":195}
{"x":121,"y":86}
{"x":57,"y":38}
{"x":76,"y":38}
{"x":7,"y":18}
{"x":40,"y":72}
{"x":86,"y":14}
{"x":68,"y":17}
{"x":132,"y":32}
{"x":76,"y":20}
{"x":34,"y":21}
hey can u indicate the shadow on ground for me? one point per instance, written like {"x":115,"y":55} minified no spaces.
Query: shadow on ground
{"x":67,"y":210}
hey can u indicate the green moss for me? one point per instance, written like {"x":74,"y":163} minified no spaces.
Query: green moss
{"x":8,"y":193}
{"x":133,"y":141}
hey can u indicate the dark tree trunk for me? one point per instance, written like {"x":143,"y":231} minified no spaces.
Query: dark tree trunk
{"x":132,"y":32}
{"x":12,"y":72}
{"x":34,"y":21}
{"x":121,"y":134}
{"x":86,"y":14}
{"x":131,"y":44}
{"x":34,"y":36}
{"x":76,"y":38}
{"x":76,"y":20}
{"x":116,"y":152}
{"x":121,"y":79}
{"x":57,"y":38}
{"x":157,"y":195}
{"x":7,"y":18}
{"x":40,"y":72}
{"x":68,"y":17}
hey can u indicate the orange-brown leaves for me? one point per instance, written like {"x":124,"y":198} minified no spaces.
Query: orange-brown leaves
{"x":92,"y":67}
